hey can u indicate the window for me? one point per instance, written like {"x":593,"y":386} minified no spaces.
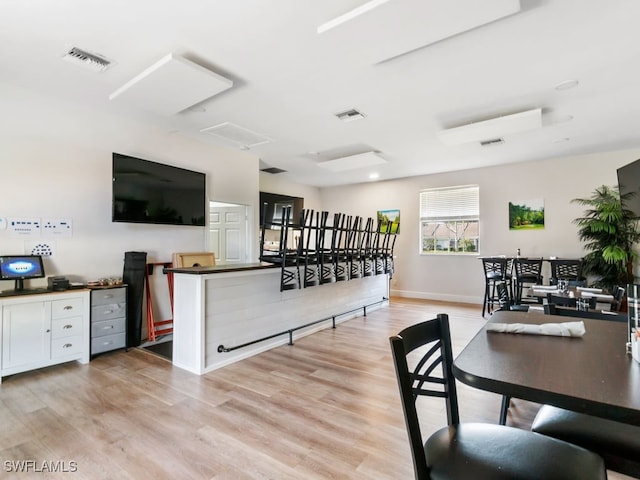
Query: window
{"x":450,"y":220}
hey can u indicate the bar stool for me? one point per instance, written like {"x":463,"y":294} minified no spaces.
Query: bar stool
{"x":528,"y":271}
{"x":495,"y":271}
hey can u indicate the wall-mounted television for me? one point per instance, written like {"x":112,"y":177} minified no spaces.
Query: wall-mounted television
{"x":272,"y":206}
{"x":629,"y":185}
{"x":150,"y":192}
{"x":20,"y":268}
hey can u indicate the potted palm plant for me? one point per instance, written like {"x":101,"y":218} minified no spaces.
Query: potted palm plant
{"x":609,"y":231}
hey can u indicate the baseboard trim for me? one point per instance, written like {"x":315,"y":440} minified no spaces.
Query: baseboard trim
{"x":437,"y":296}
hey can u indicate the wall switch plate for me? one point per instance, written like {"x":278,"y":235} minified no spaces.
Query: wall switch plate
{"x":57,"y":227}
{"x":24,"y":226}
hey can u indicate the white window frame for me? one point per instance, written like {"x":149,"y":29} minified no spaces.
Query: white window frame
{"x":450,"y":209}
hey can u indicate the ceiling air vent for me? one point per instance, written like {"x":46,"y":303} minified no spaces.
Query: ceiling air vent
{"x":86,"y":59}
{"x":493,"y":141}
{"x":349,"y":115}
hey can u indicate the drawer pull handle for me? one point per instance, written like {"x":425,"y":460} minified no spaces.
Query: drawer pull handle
{"x":67,"y":327}
{"x":67,"y":345}
{"x":108,"y":327}
{"x":68,"y":307}
{"x":107,"y":343}
{"x":108,"y":296}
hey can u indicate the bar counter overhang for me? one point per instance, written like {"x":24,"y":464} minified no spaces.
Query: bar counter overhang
{"x":219,"y":308}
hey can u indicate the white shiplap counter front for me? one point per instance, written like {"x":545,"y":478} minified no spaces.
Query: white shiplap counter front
{"x":234,"y":305}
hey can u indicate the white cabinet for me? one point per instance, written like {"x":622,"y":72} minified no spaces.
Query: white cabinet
{"x":42,"y":330}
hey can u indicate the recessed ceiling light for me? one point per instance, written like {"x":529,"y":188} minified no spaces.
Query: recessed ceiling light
{"x":374,"y":176}
{"x":566,"y":85}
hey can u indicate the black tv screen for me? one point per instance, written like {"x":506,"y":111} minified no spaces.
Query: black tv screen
{"x":629,"y":184}
{"x":272,"y":206}
{"x":150,"y":192}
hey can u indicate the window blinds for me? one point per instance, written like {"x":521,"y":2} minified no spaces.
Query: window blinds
{"x":450,"y":203}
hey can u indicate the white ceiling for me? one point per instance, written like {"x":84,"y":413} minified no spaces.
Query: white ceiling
{"x":289,"y":81}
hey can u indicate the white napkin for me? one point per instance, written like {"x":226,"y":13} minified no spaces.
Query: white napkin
{"x":597,"y":295}
{"x":546,"y":290}
{"x":589,"y":289}
{"x":565,"y":329}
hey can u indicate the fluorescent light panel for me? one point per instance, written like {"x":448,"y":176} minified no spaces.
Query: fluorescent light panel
{"x":350,"y":15}
{"x":352,"y":162}
{"x":171,"y":85}
{"x":364,"y":32}
{"x":494,"y":128}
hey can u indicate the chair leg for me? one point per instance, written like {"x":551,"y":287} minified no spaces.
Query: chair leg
{"x":486,"y":298}
{"x":504,"y":409}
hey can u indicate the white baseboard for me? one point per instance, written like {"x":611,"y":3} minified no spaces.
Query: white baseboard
{"x":437,"y":296}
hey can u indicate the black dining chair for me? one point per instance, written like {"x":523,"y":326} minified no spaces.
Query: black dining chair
{"x":471,"y":450}
{"x":505,"y":302}
{"x":617,"y":443}
{"x":618,"y":296}
{"x":565,"y":269}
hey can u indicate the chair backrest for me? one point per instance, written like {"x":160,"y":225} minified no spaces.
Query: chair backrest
{"x":566,"y":270}
{"x":494,"y":267}
{"x":430,"y":375}
{"x":194,"y":259}
{"x":561,"y":300}
{"x":552,"y":309}
{"x":528,"y":267}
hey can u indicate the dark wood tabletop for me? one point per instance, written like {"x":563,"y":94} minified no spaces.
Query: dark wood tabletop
{"x":591,"y":374}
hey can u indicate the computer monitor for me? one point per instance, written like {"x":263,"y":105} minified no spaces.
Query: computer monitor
{"x":20,"y":268}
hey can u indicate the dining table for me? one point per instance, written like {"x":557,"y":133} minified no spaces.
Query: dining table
{"x":540,"y":292}
{"x":591,"y":374}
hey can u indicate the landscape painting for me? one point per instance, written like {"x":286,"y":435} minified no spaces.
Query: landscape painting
{"x":389,"y":220}
{"x":526,"y":215}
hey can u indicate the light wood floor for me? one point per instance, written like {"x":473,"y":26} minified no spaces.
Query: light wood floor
{"x":325,"y":408}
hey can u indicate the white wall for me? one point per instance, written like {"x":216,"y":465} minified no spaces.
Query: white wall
{"x":55,"y":162}
{"x":460,"y":278}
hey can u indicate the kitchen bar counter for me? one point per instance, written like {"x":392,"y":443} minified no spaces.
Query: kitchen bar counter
{"x":220,"y":312}
{"x":232,"y":267}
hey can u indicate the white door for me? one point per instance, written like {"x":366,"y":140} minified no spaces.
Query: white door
{"x":228,"y":233}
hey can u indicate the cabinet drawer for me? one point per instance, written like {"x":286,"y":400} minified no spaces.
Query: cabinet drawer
{"x":105,"y":312}
{"x":108,"y":327}
{"x":63,"y":347}
{"x":107,"y":343}
{"x":66,"y":327}
{"x":66,"y":308}
{"x":108,"y":295}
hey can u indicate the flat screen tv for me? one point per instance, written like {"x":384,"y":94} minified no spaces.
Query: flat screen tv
{"x":272,"y":206}
{"x":20,"y":268}
{"x":150,"y":192}
{"x":629,"y":186}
